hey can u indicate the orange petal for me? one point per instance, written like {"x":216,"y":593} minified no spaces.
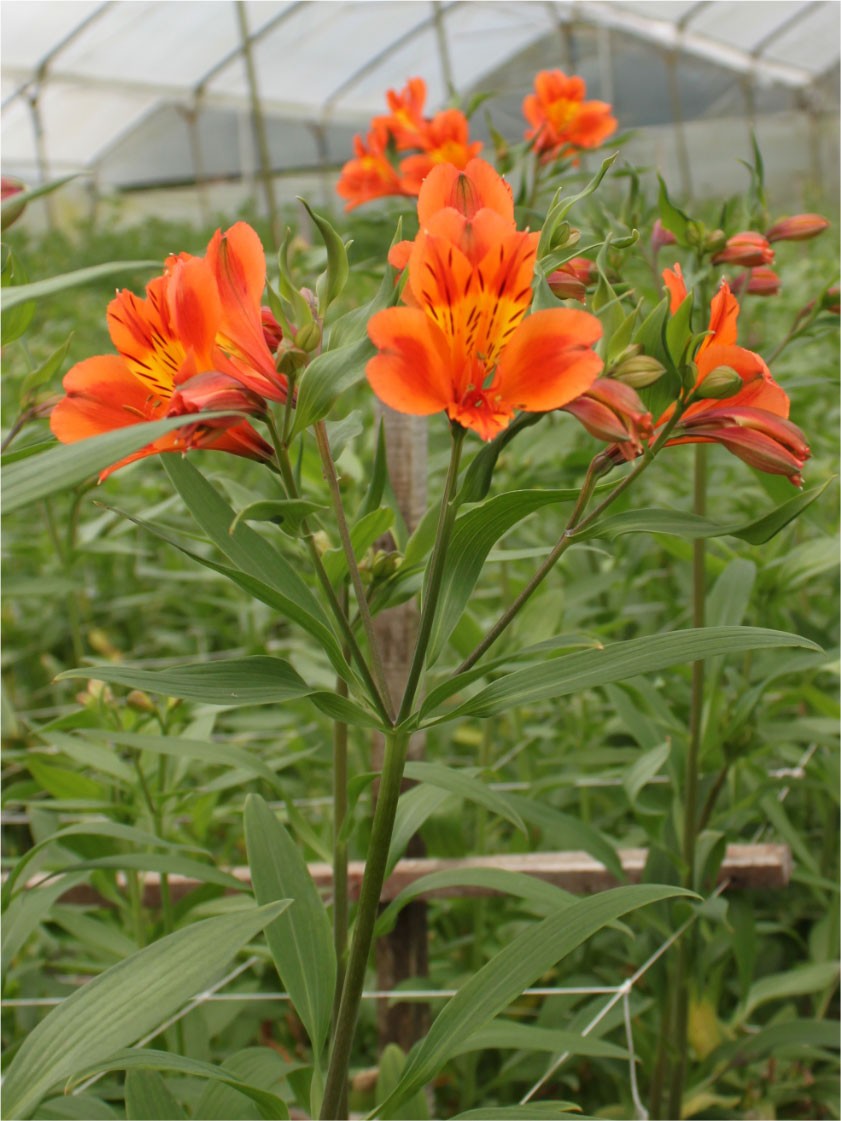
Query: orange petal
{"x":412,"y":371}
{"x":759,"y":390}
{"x":102,"y":394}
{"x":478,"y":185}
{"x":675,"y":286}
{"x":196,"y":308}
{"x":548,"y":361}
{"x":724,"y":313}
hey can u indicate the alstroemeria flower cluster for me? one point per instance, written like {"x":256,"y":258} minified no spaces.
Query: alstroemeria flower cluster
{"x":197,"y":342}
{"x":375,"y":172}
{"x":562,"y":122}
{"x":464,"y":343}
{"x":752,"y":422}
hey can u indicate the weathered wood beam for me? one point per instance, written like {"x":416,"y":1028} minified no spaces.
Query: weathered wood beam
{"x":764,"y":866}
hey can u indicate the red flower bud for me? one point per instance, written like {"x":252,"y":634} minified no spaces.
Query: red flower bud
{"x":765,"y":441}
{"x":660,"y":236}
{"x":9,"y":187}
{"x":272,"y":332}
{"x":570,"y":280}
{"x":832,"y":300}
{"x":799,"y":228}
{"x":748,"y":248}
{"x":612,"y":411}
{"x":758,"y":282}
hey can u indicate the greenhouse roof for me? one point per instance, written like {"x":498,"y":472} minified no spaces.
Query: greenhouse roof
{"x":112,"y":86}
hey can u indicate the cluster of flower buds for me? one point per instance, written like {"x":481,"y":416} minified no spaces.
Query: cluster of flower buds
{"x":572,"y":279}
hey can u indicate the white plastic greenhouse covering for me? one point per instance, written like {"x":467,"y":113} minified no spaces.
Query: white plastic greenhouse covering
{"x":144,"y":94}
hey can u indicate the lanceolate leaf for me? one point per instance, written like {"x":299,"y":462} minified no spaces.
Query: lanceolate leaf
{"x":124,"y":1003}
{"x":148,"y":1098}
{"x":512,"y":970}
{"x":476,"y":532}
{"x":621,"y":660}
{"x":755,"y":532}
{"x":40,"y":288}
{"x":300,"y":940}
{"x":326,"y":378}
{"x":465,"y":785}
{"x":508,"y":1035}
{"x":241,"y":681}
{"x":59,"y":468}
{"x":270,"y":1105}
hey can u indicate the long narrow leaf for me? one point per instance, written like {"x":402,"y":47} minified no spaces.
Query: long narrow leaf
{"x":512,"y":970}
{"x":124,"y":1003}
{"x":9,"y":297}
{"x":570,"y":674}
{"x":300,"y":940}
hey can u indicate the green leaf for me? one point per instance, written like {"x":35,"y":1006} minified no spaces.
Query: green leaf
{"x":206,"y":751}
{"x":332,"y":282}
{"x":413,"y":808}
{"x":526,"y":958}
{"x":76,"y":1107}
{"x":163,"y":864}
{"x":46,"y":371}
{"x":693,"y":527}
{"x":804,"y":980}
{"x":363,"y":534}
{"x":477,"y":477}
{"x":288,"y":513}
{"x":305,"y":611}
{"x":464,"y":785}
{"x":11,"y":297}
{"x":300,"y":940}
{"x":643,"y":770}
{"x":621,"y":660}
{"x":13,"y":201}
{"x":475,"y":533}
{"x":270,"y":1105}
{"x":126,"y":1002}
{"x":148,"y":1098}
{"x":500,"y":880}
{"x":565,"y":831}
{"x":326,"y":378}
{"x":27,"y":910}
{"x":560,"y":207}
{"x":391,"y":1066}
{"x":261,"y":1067}
{"x":110,"y":829}
{"x":257,"y":680}
{"x":672,"y":217}
{"x":531,"y":1111}
{"x":247,"y":550}
{"x":353,"y":326}
{"x":379,"y":477}
{"x":510,"y":1035}
{"x":29,"y":480}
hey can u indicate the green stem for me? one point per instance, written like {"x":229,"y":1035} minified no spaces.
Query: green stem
{"x":576,"y":524}
{"x":446,"y":518}
{"x":329,"y":469}
{"x":680,"y":1022}
{"x":396,"y":747}
{"x":340,"y":849}
{"x":65,"y":551}
{"x":341,"y":618}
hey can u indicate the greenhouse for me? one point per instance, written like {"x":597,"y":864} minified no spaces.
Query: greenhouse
{"x":420,"y":559}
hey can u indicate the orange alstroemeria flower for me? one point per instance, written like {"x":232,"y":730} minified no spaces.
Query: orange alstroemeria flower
{"x":562,"y":122}
{"x":464,"y":344}
{"x":405,"y":122}
{"x":753,"y":422}
{"x":445,"y":139}
{"x":196,"y":342}
{"x":371,"y":175}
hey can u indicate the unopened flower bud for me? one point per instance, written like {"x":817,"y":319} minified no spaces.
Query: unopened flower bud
{"x":639,"y":371}
{"x":714,"y":241}
{"x":566,"y":287}
{"x":660,"y":237}
{"x":385,"y":564}
{"x":321,"y":542}
{"x":832,"y":300}
{"x":758,"y":282}
{"x":748,"y":248}
{"x":9,"y":187}
{"x":290,"y":357}
{"x":140,"y":701}
{"x":308,"y":337}
{"x":565,"y":236}
{"x":272,"y":331}
{"x":312,"y":300}
{"x":801,"y":227}
{"x":719,"y":383}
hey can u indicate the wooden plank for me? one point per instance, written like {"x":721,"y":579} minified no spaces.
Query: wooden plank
{"x":761,"y":866}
